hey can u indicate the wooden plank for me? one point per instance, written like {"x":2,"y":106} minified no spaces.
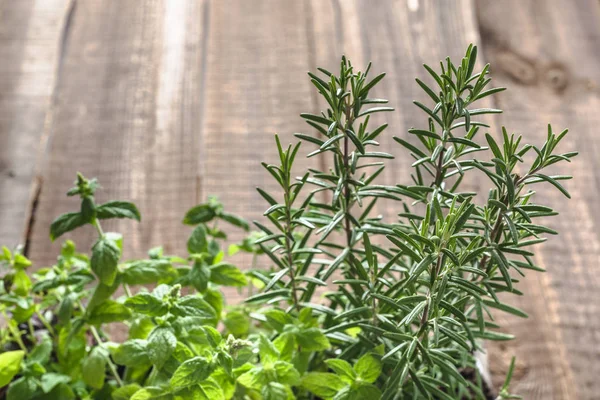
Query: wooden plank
{"x":127,"y":111}
{"x":256,"y":86}
{"x":165,"y":113}
{"x":547,"y":54}
{"x":30,"y":32}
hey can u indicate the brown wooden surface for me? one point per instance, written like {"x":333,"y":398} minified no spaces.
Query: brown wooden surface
{"x":168,"y":101}
{"x":555,"y":48}
{"x":29,"y":50}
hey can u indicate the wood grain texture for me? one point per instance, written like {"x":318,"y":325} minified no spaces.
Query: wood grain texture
{"x":30,"y":33}
{"x":127,"y":111}
{"x":169,"y":101}
{"x":548,"y":54}
{"x":258,"y":56}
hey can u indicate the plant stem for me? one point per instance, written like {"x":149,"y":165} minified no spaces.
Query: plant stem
{"x":111,"y":365}
{"x":290,"y":260}
{"x":31,"y":332}
{"x":45,"y":323}
{"x":347,"y":199}
{"x":434,"y":274}
{"x":98,"y":227}
{"x":439,"y":177}
{"x":373,"y":299}
{"x":288,"y":248}
{"x":16,"y":335}
{"x":127,"y":290}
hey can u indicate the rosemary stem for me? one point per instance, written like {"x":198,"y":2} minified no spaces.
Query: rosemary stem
{"x":288,"y":248}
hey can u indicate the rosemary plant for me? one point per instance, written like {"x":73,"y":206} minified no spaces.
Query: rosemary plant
{"x":419,"y":292}
{"x":342,"y":303}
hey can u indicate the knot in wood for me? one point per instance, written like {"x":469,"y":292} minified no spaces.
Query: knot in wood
{"x":556,"y":77}
{"x":517,"y":67}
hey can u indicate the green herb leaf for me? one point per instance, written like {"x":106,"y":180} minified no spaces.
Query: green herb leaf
{"x":191,"y":372}
{"x":105,"y":256}
{"x":118,"y":209}
{"x":66,"y":223}
{"x":10,"y":365}
{"x":200,"y":214}
{"x":322,"y":384}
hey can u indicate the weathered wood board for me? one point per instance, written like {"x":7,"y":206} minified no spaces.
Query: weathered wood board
{"x":548,"y":54}
{"x":169,"y":101}
{"x":127,"y":111}
{"x":30,"y":32}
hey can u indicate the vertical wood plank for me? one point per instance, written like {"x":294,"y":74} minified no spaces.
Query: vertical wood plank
{"x":127,"y":111}
{"x":30,"y":32}
{"x":547,"y":53}
{"x":256,"y":87}
{"x":165,"y":113}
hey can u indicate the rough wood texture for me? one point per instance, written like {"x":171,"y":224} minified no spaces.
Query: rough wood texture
{"x":547,"y":53}
{"x":256,"y":87}
{"x":127,"y":111}
{"x":29,"y":40}
{"x":168,"y":101}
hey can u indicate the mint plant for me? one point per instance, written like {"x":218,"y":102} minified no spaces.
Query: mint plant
{"x":342,"y":302}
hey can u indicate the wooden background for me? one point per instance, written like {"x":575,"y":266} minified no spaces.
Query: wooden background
{"x":167,"y":101}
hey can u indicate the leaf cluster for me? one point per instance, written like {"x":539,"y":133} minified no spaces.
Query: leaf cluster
{"x":341,"y":302}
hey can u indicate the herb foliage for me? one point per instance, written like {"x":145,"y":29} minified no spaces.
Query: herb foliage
{"x":342,"y":302}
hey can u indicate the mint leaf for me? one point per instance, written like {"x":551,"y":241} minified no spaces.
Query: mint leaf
{"x":286,"y":373}
{"x":322,"y":384}
{"x":368,"y":368}
{"x":109,"y":311}
{"x":50,"y":380}
{"x":21,"y":283}
{"x":197,"y":242}
{"x":267,"y":351}
{"x":206,"y":390}
{"x":161,"y":344}
{"x":235,"y":220}
{"x":105,"y":256}
{"x":23,"y":388}
{"x":237,"y":323}
{"x":10,"y":365}
{"x":145,"y":272}
{"x":125,"y":392}
{"x":278,"y":319}
{"x":193,"y":306}
{"x":277,"y":391}
{"x":312,"y":339}
{"x":118,"y":209}
{"x":65,"y":223}
{"x":147,"y":304}
{"x":40,"y":353}
{"x":94,"y":368}
{"x":199,"y":276}
{"x":191,"y":372}
{"x":132,"y":353}
{"x":343,"y":369}
{"x":152,"y":393}
{"x":200,"y":214}
{"x":227,"y":275}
